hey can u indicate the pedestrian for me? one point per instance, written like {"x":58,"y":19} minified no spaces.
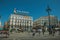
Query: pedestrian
{"x":49,"y":30}
{"x":59,"y":31}
{"x":53,"y":30}
{"x":39,"y":31}
{"x":43,"y":30}
{"x":34,"y":31}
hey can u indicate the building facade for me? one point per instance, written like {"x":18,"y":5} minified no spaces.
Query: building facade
{"x":45,"y":19}
{"x":19,"y":21}
{"x":1,"y":27}
{"x":6,"y":26}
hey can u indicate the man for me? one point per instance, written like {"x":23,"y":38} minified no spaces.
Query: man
{"x":34,"y":31}
{"x":53,"y":30}
{"x":43,"y":30}
{"x":39,"y":31}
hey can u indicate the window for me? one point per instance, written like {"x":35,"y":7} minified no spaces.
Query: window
{"x":17,"y":20}
{"x":17,"y":17}
{"x":13,"y":23}
{"x":13,"y":20}
{"x":17,"y":24}
{"x":24,"y":24}
{"x":14,"y":17}
{"x":10,"y":23}
{"x":10,"y":19}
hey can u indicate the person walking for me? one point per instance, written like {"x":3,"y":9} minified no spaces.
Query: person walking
{"x":53,"y":30}
{"x":34,"y":31}
{"x":43,"y":30}
{"x":39,"y":31}
{"x":50,"y":29}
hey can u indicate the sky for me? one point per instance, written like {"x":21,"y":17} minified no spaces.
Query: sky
{"x":36,"y":8}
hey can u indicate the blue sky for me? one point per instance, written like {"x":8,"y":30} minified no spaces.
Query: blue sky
{"x":37,"y":8}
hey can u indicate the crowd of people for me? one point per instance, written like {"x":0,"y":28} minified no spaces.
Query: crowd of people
{"x":42,"y":29}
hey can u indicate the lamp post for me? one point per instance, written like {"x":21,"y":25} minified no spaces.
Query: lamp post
{"x":48,"y":11}
{"x":0,"y":20}
{"x":0,"y":17}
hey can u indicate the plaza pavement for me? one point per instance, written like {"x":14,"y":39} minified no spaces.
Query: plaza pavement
{"x":28,"y":36}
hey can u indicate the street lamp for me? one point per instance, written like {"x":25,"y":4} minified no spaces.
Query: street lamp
{"x":48,"y":11}
{"x":0,"y":20}
{"x":0,"y":17}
